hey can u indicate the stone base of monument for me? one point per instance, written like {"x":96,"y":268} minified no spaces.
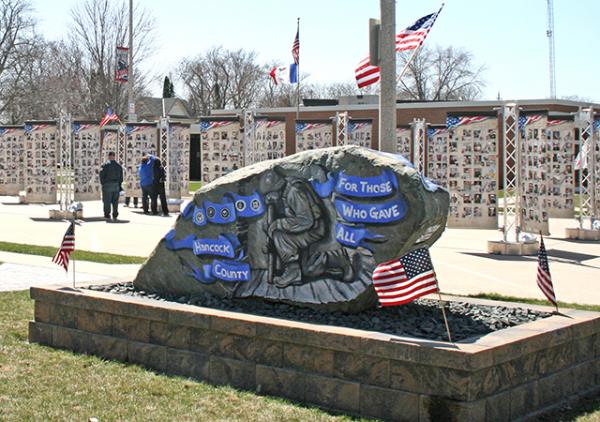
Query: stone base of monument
{"x":582,"y":234}
{"x":508,"y":374}
{"x":500,"y":247}
{"x":174,"y":205}
{"x":65,"y":214}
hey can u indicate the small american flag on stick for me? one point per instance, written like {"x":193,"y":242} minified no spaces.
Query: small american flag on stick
{"x":66,"y":247}
{"x":544,"y":279}
{"x":406,"y":279}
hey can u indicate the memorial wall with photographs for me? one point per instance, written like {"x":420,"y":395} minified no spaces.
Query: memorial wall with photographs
{"x":560,"y":131}
{"x":12,"y":160}
{"x":87,"y":159}
{"x":437,"y":155}
{"x":404,"y":141}
{"x":359,"y":132}
{"x":313,"y":134}
{"x":269,"y":139}
{"x":139,"y":138}
{"x":178,"y":170}
{"x":220,"y":147}
{"x":41,"y":155}
{"x":473,"y":170}
{"x":110,"y":142}
{"x":535,"y":173}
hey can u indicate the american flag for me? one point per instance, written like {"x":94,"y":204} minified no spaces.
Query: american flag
{"x":66,"y":247}
{"x":555,"y":122}
{"x":408,"y":39}
{"x":6,"y":131}
{"x":110,"y":116}
{"x":454,"y":121}
{"x":403,"y":280}
{"x":527,"y":120}
{"x":79,"y":127}
{"x":301,"y":127}
{"x":267,"y":123}
{"x":296,"y":47}
{"x":352,"y":126}
{"x":544,"y":279}
{"x":32,"y":128}
{"x":431,"y":132}
{"x":206,"y":125}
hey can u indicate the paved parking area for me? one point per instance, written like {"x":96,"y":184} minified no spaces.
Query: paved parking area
{"x":460,"y":258}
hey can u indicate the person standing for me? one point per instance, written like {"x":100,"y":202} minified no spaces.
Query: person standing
{"x":146,"y":173}
{"x":160,"y":177}
{"x":111,"y":178}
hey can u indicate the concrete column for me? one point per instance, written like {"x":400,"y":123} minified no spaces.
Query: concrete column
{"x":387,"y":96}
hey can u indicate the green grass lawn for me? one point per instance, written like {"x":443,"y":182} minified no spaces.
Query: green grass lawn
{"x":104,"y":258}
{"x":39,"y":383}
{"x":497,"y":296}
{"x":195,"y":185}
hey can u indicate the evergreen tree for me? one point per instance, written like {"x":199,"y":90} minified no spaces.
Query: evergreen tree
{"x":168,"y":88}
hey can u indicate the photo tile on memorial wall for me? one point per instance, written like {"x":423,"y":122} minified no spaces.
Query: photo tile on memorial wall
{"x":469,"y":173}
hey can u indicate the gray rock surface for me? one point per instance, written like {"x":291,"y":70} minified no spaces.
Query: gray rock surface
{"x":302,"y":245}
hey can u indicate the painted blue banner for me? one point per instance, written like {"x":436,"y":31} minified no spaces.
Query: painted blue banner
{"x":219,"y":213}
{"x":324,"y":189}
{"x":366,"y":187}
{"x":188,"y":211}
{"x":199,"y":216}
{"x":247,"y":206}
{"x":386,"y":212}
{"x":225,"y":246}
{"x":185,"y":243}
{"x":354,"y":236}
{"x":222,"y":270}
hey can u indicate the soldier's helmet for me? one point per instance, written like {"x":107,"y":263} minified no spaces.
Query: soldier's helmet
{"x":270,"y":181}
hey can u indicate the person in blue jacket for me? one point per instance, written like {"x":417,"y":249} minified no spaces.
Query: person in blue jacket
{"x":146,"y":174}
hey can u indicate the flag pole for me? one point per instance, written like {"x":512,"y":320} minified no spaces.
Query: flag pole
{"x":298,"y":72}
{"x":73,"y":221}
{"x":441,"y":304}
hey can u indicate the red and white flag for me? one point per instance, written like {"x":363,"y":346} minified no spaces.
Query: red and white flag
{"x":408,"y":39}
{"x":544,"y":279}
{"x":406,"y":279}
{"x":66,"y":247}
{"x":110,"y":116}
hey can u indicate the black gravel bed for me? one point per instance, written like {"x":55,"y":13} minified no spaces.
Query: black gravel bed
{"x":421,"y":318}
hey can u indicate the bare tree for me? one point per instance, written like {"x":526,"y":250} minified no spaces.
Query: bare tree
{"x":17,"y":49}
{"x":98,"y":27}
{"x":441,"y":74}
{"x":221,"y":79}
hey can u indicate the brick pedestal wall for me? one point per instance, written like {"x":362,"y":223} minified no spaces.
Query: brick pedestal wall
{"x":504,"y":375}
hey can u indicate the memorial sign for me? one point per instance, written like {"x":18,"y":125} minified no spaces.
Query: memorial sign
{"x":308,"y":229}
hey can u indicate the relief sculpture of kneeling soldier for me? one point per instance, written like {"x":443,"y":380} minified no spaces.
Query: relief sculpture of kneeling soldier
{"x":298,"y":222}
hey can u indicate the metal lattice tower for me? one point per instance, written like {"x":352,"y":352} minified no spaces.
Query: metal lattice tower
{"x":341,"y":128}
{"x":587,"y":180}
{"x":511,"y":218}
{"x":65,"y":161}
{"x":164,"y":152}
{"x":551,"y":57}
{"x":249,"y":137}
{"x":418,"y":145}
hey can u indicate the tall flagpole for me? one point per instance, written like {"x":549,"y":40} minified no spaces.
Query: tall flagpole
{"x":298,"y":72}
{"x":131,"y":116}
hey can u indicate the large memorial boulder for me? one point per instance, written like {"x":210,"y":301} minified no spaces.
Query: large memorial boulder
{"x":307,"y":229}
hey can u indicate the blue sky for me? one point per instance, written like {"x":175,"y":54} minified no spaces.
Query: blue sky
{"x":508,"y":36}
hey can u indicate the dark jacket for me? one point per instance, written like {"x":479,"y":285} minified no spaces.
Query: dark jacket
{"x":111,"y":176}
{"x":159,"y":174}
